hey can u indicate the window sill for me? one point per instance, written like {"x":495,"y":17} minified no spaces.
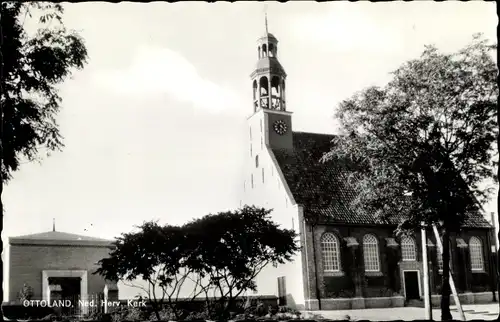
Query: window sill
{"x":333,"y":273}
{"x":478,"y":271}
{"x":373,"y":273}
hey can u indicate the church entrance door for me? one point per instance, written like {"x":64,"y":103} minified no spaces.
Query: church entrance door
{"x":70,"y":290}
{"x":412,"y":290}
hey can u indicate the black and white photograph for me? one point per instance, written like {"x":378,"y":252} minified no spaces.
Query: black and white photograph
{"x":249,"y":161}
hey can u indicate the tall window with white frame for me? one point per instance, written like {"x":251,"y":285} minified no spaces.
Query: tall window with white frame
{"x":331,"y":252}
{"x":476,"y":254}
{"x":370,"y":253}
{"x":408,"y":249}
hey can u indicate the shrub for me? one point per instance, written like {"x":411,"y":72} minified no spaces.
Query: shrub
{"x":26,"y":293}
{"x":19,"y":311}
{"x":166,"y":314}
{"x":197,"y":316}
{"x":118,"y":315}
{"x":272,"y":309}
{"x":135,"y":314}
{"x":100,"y":316}
{"x":128,"y":314}
{"x":260,"y":312}
{"x":257,"y":310}
{"x":96,"y":316}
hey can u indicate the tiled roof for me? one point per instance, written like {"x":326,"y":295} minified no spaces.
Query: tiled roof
{"x":322,"y":188}
{"x":57,"y":237}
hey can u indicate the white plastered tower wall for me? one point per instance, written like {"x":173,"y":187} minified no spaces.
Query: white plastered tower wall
{"x":270,"y":190}
{"x":270,"y":127}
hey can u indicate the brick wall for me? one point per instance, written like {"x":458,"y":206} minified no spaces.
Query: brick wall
{"x":28,"y":262}
{"x":390,"y":280}
{"x":342,"y":284}
{"x":465,"y":280}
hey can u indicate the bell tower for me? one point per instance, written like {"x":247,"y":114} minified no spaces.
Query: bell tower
{"x":269,"y":77}
{"x":270,"y":115}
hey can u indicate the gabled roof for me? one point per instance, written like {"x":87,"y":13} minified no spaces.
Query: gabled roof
{"x":59,"y":238}
{"x":323,"y":189}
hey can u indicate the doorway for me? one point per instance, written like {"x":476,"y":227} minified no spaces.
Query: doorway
{"x":81,"y":274}
{"x":412,"y":285}
{"x":70,"y":290}
{"x":282,"y":291}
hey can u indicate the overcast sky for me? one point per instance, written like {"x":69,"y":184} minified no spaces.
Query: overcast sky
{"x":154,"y":126}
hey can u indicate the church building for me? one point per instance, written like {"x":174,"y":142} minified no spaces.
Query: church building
{"x":348,"y":259}
{"x":59,"y":266}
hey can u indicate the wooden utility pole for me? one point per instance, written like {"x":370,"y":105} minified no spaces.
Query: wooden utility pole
{"x":452,"y":283}
{"x":494,"y":224}
{"x":427,"y":295}
{"x":491,"y":258}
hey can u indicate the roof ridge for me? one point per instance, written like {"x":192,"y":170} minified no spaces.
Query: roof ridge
{"x":50,"y":235}
{"x":314,"y":133}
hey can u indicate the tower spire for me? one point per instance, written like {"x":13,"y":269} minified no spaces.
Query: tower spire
{"x":267,"y":31}
{"x":53,"y":224}
{"x":265,"y":17}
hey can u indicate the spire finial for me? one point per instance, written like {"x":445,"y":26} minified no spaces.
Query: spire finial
{"x":265,"y":17}
{"x":53,"y":224}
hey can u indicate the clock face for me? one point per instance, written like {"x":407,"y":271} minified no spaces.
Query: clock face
{"x":280,"y":127}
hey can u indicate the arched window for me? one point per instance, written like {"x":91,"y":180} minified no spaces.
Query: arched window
{"x":271,"y":50}
{"x":262,"y":175}
{"x":370,"y":253}
{"x":264,"y":92}
{"x":251,"y":179}
{"x":275,"y":93}
{"x":330,"y":252}
{"x":257,"y":161}
{"x":476,"y":254}
{"x":408,"y":249}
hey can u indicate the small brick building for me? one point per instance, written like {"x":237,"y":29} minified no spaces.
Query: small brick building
{"x":349,"y":259}
{"x":58,"y":265}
